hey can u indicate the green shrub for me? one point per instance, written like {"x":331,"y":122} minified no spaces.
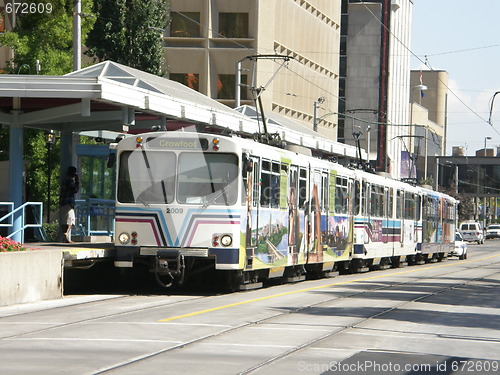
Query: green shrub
{"x":51,"y":231}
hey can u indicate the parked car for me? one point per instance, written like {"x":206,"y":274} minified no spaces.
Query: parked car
{"x":461,"y":246}
{"x":472,"y":231}
{"x":493,"y":231}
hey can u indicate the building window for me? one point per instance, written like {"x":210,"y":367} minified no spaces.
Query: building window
{"x":226,"y":86}
{"x":233,"y":25}
{"x":341,"y":88}
{"x":190,"y":80}
{"x":185,"y":24}
{"x":344,"y":20}
{"x":343,"y":66}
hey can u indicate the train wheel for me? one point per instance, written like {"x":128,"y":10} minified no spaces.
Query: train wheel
{"x":410,"y":259}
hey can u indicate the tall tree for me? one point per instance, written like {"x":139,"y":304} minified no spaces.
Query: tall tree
{"x":45,"y":36}
{"x":107,"y":39}
{"x":130,"y":32}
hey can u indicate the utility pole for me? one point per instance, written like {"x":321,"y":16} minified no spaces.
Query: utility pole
{"x":77,"y":34}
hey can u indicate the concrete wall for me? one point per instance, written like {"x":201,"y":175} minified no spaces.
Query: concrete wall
{"x":30,"y":276}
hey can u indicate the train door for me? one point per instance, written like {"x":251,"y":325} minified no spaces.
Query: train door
{"x":355,"y":204}
{"x":314,"y":215}
{"x":400,"y":213}
{"x":387,"y":213}
{"x":366,"y":210}
{"x":293,"y":212}
{"x":255,"y":201}
{"x":417,"y":216}
{"x":391,"y":230}
{"x":403,"y":215}
{"x":304,"y":209}
{"x":251,"y":179}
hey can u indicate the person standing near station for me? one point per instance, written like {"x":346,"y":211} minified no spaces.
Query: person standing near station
{"x":69,"y":187}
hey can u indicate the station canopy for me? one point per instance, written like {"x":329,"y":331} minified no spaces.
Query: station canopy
{"x":112,"y":97}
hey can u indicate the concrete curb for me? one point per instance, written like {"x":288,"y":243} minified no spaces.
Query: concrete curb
{"x":30,"y":276}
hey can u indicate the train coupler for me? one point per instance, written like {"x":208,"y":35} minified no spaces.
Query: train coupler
{"x":170,"y":265}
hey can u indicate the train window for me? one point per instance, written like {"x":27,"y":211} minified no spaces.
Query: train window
{"x":256,"y":182}
{"x":207,"y":178}
{"x":391,"y":202}
{"x":302,"y":187}
{"x":324,"y":192}
{"x":293,"y":186}
{"x":316,"y":191}
{"x":248,"y":166}
{"x":373,"y":200}
{"x":377,"y":201}
{"x":265,"y":184}
{"x":357,"y":198}
{"x":365,"y":194}
{"x":385,"y":197}
{"x":275,"y":184}
{"x":399,"y":204}
{"x":418,"y":204}
{"x":146,"y":177}
{"x":283,"y":185}
{"x":409,"y":206}
{"x":244,"y":189}
{"x":331,"y":192}
{"x":276,"y":167}
{"x":341,"y":203}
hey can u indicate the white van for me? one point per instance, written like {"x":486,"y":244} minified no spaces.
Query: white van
{"x":472,"y":231}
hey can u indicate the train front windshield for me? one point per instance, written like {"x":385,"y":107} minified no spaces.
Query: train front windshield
{"x":152,"y":177}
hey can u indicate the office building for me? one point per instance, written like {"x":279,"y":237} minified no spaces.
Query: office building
{"x":207,"y":38}
{"x":375,"y":46}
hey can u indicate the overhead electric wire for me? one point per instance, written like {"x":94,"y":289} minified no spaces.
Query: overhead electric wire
{"x":426,"y":63}
{"x":464,"y":50}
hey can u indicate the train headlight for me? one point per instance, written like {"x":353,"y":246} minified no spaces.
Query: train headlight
{"x":226,"y":240}
{"x":124,"y":238}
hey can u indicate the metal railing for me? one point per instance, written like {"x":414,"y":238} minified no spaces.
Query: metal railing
{"x":11,"y":212}
{"x":95,"y":217}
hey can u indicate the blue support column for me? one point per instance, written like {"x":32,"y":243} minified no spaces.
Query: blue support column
{"x":16,"y":178}
{"x":66,"y":152}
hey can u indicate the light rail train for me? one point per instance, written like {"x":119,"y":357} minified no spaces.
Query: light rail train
{"x":188,"y":202}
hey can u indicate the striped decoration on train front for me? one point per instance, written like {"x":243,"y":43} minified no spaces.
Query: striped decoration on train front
{"x":170,"y":232}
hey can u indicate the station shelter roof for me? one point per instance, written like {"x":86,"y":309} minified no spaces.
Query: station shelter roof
{"x":113,"y":97}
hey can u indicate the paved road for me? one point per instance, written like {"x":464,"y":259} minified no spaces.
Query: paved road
{"x":440,"y":318}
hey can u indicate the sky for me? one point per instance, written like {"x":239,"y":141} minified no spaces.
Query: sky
{"x":463,"y":38}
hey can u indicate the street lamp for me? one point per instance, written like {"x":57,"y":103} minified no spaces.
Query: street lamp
{"x":485,"y":139}
{"x":50,"y":141}
{"x":420,"y":88}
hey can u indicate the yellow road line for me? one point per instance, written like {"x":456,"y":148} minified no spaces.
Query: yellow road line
{"x":200,"y":312}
